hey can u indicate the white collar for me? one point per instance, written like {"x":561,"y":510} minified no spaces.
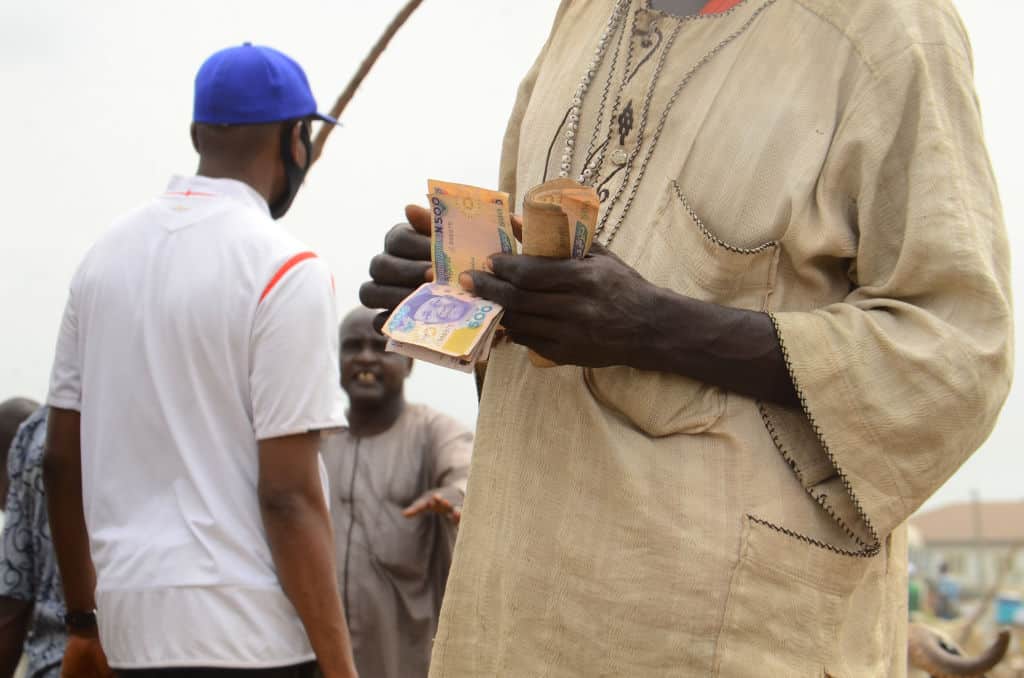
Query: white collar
{"x":200,"y":187}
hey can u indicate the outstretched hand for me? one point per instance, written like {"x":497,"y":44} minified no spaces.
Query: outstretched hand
{"x":446,"y":501}
{"x":592,"y":312}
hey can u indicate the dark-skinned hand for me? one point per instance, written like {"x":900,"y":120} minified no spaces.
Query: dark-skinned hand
{"x":597,"y":312}
{"x":445,"y":501}
{"x":84,"y":657}
{"x":563,"y":309}
{"x":592,"y":312}
{"x":403,"y":266}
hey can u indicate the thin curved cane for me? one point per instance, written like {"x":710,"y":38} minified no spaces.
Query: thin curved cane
{"x":364,"y":69}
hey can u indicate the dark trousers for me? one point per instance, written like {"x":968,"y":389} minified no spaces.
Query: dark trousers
{"x":307,"y":670}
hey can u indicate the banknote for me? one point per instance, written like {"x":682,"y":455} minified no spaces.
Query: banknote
{"x":559,"y":218}
{"x":469,"y":225}
{"x":443,"y":324}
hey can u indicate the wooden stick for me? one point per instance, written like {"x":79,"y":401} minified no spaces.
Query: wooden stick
{"x":364,"y":69}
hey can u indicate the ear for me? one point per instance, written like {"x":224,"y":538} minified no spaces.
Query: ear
{"x":195,"y":136}
{"x":299,"y":155}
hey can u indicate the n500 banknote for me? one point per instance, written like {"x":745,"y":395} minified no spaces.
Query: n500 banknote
{"x":468,"y":225}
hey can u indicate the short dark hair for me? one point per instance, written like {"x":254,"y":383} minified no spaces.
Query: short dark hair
{"x":13,"y":413}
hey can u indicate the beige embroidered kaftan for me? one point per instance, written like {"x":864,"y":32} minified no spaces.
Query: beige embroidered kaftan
{"x":628,"y":523}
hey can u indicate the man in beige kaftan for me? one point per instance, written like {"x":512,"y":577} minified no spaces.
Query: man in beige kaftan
{"x":816,"y":162}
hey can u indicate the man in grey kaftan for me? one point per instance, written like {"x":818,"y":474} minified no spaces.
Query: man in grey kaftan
{"x":397,"y":478}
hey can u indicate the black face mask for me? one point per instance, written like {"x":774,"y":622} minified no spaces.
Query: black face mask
{"x":292,"y":172}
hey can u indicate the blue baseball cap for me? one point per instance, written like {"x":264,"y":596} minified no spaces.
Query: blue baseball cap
{"x":252,"y":84}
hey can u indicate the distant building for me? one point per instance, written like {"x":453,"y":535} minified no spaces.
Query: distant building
{"x":973,"y":538}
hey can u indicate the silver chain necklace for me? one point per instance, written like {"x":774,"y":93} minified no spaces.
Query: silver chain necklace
{"x":595,"y":157}
{"x":618,"y":11}
{"x":645,"y":113}
{"x":595,"y":154}
{"x":686,"y":79}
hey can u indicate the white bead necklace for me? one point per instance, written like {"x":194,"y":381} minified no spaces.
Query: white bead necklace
{"x":573,"y":122}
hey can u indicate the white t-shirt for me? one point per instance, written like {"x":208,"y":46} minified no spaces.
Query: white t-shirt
{"x":194,"y":328}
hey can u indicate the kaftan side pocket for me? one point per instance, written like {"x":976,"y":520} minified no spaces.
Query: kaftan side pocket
{"x":785,"y":605}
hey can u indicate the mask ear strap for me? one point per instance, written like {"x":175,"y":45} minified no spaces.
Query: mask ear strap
{"x":307,"y":141}
{"x":294,"y":174}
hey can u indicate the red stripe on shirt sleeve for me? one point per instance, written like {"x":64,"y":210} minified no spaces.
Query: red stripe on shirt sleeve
{"x":288,"y":265}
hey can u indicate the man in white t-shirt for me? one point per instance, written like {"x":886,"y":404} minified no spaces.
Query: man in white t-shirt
{"x":195,"y":369}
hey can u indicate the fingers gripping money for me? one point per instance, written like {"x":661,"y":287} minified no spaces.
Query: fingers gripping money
{"x":442,"y":323}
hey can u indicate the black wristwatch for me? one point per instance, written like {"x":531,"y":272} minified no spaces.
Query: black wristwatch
{"x":80,"y":621}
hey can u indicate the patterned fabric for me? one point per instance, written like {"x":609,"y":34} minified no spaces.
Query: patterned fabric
{"x":28,"y":566}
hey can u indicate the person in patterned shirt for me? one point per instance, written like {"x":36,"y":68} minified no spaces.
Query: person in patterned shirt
{"x":12,"y":413}
{"x":31,"y":601}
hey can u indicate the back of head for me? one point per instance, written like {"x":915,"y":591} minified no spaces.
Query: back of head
{"x":237,"y":146}
{"x":252,"y":104}
{"x":12,"y":413}
{"x":252,"y":85}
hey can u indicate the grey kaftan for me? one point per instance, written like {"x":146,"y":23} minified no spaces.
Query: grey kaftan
{"x":392,"y":569}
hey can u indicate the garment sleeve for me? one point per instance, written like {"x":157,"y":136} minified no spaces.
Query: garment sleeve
{"x":17,"y":575}
{"x":294,"y":369}
{"x":452,"y":447}
{"x":66,"y":375}
{"x":903,"y":380}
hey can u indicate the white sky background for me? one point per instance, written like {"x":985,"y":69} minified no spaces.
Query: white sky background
{"x":95,"y":103}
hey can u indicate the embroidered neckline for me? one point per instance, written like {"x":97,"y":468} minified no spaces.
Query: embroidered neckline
{"x":724,"y":12}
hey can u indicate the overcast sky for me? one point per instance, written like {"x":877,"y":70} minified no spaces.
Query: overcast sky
{"x":96,"y":103}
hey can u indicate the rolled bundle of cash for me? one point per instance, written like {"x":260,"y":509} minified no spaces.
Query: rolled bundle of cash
{"x":559,"y":218}
{"x":440,"y":322}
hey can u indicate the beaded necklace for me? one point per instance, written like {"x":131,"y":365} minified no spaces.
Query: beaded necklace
{"x":618,"y":11}
{"x":594,"y":160}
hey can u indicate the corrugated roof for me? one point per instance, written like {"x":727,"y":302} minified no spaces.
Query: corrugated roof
{"x":1000,"y":521}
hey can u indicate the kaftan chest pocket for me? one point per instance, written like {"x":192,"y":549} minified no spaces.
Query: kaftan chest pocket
{"x":684,"y":253}
{"x":677,"y":250}
{"x":785,"y":606}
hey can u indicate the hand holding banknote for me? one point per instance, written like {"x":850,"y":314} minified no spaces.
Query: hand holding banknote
{"x":567,"y":298}
{"x":440,"y":322}
{"x":555,"y":301}
{"x":403,"y":266}
{"x":590,"y":312}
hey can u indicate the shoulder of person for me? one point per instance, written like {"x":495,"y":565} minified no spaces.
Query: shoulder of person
{"x":880,"y":30}
{"x":111,"y":243}
{"x":436,"y":420}
{"x":337,"y":440}
{"x":282,"y":258}
{"x":29,"y":445}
